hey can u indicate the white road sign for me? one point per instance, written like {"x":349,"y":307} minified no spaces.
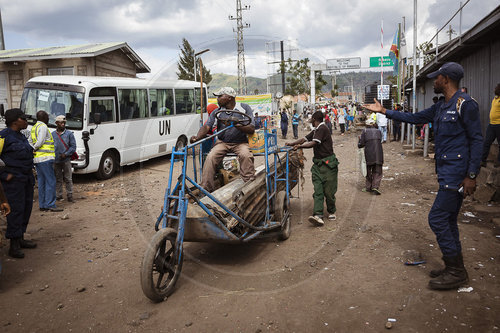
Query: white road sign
{"x":383,"y":91}
{"x":343,"y":63}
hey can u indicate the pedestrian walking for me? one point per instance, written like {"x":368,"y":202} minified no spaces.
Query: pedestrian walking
{"x":382,"y":126}
{"x":17,"y":180}
{"x":324,"y":169}
{"x":65,"y":147}
{"x":284,"y":123}
{"x":371,"y":140}
{"x":43,"y":146}
{"x":458,"y":142}
{"x":341,"y":118}
{"x":493,"y":129}
{"x":396,"y":125}
{"x":295,"y":124}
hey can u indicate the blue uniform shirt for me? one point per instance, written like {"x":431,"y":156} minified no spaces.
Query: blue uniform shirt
{"x":457,"y":135}
{"x":16,"y":153}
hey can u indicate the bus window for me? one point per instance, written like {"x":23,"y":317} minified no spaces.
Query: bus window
{"x":55,"y":103}
{"x":105,"y":107}
{"x":184,"y":101}
{"x":197,"y":100}
{"x":162,"y":102}
{"x":133,"y":103}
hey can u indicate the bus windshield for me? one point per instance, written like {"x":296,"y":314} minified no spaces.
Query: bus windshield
{"x":55,"y":103}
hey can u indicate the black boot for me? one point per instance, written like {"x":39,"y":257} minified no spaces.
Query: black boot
{"x":436,"y":272}
{"x":15,"y":248}
{"x":27,"y":244}
{"x":454,"y":274}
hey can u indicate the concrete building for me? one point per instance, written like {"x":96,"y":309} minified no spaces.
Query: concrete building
{"x":478,"y":51}
{"x":104,"y":59}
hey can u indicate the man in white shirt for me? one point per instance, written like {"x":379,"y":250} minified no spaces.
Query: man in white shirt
{"x":382,"y":125}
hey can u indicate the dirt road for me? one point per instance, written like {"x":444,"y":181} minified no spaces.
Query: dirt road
{"x":347,"y":276}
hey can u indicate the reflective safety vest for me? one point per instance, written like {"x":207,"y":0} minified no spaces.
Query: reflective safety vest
{"x":47,"y":149}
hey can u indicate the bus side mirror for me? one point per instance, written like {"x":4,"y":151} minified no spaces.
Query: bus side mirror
{"x":97,"y":118}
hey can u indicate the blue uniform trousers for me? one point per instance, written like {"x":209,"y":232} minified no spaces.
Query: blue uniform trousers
{"x":19,"y":193}
{"x":443,"y":221}
{"x":46,"y":184}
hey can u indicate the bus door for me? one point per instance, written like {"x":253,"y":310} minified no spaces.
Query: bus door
{"x":107,"y":134}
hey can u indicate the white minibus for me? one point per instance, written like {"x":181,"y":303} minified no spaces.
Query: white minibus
{"x":117,"y":121}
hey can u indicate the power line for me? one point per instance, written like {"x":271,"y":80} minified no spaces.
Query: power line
{"x":242,"y":76}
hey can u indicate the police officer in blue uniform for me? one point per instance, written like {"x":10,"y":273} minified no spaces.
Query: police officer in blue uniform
{"x":458,"y":142}
{"x":17,"y":180}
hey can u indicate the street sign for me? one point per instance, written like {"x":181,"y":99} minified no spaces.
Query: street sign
{"x":343,"y":63}
{"x":383,"y":91}
{"x":375,"y":62}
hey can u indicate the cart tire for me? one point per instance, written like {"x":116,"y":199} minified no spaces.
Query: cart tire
{"x":280,"y":210}
{"x":160,"y":267}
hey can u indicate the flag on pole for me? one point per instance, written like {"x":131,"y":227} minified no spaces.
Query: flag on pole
{"x":394,"y":52}
{"x":403,"y":53}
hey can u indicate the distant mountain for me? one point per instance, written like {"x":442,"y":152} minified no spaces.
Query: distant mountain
{"x":256,"y":85}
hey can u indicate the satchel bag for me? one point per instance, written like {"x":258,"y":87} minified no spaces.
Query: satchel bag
{"x":74,"y":156}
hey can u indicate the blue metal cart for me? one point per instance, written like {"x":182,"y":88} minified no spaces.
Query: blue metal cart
{"x":162,"y":262}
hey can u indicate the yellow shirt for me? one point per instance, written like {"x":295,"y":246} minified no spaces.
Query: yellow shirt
{"x":495,"y":111}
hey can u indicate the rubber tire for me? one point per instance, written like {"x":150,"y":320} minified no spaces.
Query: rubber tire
{"x":107,"y":165}
{"x":280,"y":209}
{"x":168,"y":236}
{"x":181,"y":143}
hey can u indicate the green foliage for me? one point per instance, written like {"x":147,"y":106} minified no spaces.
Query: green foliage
{"x":297,"y":77}
{"x":423,"y":49}
{"x":185,"y":65}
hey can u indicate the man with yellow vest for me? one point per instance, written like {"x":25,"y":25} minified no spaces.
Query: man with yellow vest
{"x":44,"y":154}
{"x":493,"y":130}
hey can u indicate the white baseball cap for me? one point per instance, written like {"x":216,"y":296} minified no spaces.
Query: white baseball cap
{"x":225,"y":91}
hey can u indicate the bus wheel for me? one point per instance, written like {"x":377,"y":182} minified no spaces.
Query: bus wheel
{"x":107,"y":166}
{"x":181,"y":143}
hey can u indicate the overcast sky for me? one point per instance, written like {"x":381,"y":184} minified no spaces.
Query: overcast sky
{"x":318,"y":29}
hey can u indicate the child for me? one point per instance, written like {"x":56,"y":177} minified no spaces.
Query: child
{"x":371,"y":139}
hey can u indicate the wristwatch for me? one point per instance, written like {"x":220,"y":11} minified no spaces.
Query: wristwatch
{"x":472,"y":175}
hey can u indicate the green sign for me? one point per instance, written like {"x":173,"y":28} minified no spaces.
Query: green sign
{"x":375,"y":62}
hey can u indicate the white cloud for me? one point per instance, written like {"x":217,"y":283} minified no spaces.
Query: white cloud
{"x":154,"y":28}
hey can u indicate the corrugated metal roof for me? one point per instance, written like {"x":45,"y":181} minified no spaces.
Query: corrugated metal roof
{"x":87,"y":50}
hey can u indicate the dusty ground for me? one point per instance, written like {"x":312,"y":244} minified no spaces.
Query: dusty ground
{"x":348,"y":276}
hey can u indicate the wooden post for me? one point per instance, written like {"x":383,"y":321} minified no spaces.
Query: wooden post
{"x":201,"y":91}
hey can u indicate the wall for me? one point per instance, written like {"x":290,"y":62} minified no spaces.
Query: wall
{"x":113,"y":63}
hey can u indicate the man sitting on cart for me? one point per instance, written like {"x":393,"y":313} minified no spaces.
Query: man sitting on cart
{"x":233,"y":140}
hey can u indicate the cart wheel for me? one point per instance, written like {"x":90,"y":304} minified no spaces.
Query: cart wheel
{"x":280,"y":210}
{"x":161,"y":267}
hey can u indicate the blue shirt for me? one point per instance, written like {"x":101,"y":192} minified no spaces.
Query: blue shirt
{"x":16,"y":153}
{"x":232,"y":135}
{"x":69,"y":139}
{"x":295,"y":119}
{"x":457,"y":136}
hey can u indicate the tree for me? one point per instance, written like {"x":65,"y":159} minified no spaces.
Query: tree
{"x":185,"y":65}
{"x":423,"y":49}
{"x":297,"y":77}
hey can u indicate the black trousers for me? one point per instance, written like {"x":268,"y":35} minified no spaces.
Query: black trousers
{"x":492,"y":133}
{"x":19,"y":193}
